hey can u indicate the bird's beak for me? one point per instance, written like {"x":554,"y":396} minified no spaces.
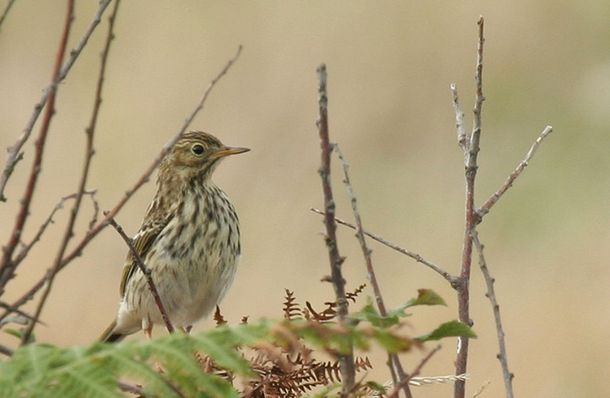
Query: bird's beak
{"x":228,"y":150}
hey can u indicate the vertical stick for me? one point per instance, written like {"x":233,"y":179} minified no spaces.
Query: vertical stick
{"x":470,"y":219}
{"x":346,"y":360}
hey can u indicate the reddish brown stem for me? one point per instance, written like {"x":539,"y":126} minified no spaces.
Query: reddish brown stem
{"x":7,"y":266}
{"x":463,"y":288}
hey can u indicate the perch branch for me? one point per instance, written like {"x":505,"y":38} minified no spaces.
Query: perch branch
{"x":470,"y":218}
{"x":394,"y":361}
{"x":493,"y":199}
{"x":89,"y":151}
{"x":491,"y":295}
{"x":145,"y":270}
{"x":7,"y":266}
{"x":346,"y":360}
{"x":451,"y":279}
{"x":93,"y":232}
{"x":14,"y":152}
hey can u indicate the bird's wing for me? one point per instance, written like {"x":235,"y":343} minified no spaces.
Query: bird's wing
{"x":142,"y":242}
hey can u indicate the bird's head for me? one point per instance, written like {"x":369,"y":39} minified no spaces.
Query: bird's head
{"x":196,"y":154}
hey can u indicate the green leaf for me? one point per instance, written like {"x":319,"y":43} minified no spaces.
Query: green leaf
{"x":449,"y":329}
{"x":370,"y":314}
{"x":426,"y":297}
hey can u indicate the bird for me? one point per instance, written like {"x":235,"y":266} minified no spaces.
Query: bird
{"x":189,"y":240}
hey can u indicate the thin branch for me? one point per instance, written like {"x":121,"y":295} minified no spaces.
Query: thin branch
{"x":7,"y":267}
{"x":6,"y":351}
{"x":14,"y":152}
{"x":43,"y":227}
{"x":366,"y":252}
{"x":493,"y":199}
{"x":470,"y":218}
{"x":448,"y":277}
{"x":93,"y":232}
{"x":416,"y":372}
{"x":147,"y":274}
{"x":462,"y":138}
{"x":346,"y":360}
{"x":27,"y":317}
{"x":491,"y":295}
{"x":89,"y":151}
{"x":6,"y":11}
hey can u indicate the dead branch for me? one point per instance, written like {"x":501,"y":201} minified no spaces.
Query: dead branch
{"x":491,"y":295}
{"x":451,"y":279}
{"x":146,"y":271}
{"x":493,"y":199}
{"x":346,"y":360}
{"x":394,"y":361}
{"x":14,"y":152}
{"x":7,"y":266}
{"x":470,"y":218}
{"x":6,"y":11}
{"x":89,"y":151}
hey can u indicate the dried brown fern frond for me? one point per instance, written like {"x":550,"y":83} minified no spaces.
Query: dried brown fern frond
{"x":291,"y":309}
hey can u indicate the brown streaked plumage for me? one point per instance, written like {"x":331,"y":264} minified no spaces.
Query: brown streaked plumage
{"x":189,"y":239}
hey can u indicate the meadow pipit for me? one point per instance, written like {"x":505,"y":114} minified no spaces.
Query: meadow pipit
{"x":189,"y":239}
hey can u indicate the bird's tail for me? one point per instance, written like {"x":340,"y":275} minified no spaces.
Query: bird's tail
{"x":110,"y":335}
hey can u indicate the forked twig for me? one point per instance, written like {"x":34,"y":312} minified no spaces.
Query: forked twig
{"x":145,"y":270}
{"x":394,"y":361}
{"x":491,"y":295}
{"x":493,"y":199}
{"x":471,"y":154}
{"x":14,"y":152}
{"x":89,"y":151}
{"x":93,"y":232}
{"x":346,"y":360}
{"x":451,"y":279}
{"x":7,"y":267}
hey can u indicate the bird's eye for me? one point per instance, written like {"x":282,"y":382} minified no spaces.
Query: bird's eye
{"x":197,"y":149}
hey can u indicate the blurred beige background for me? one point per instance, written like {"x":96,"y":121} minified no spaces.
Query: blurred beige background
{"x":390,"y":65}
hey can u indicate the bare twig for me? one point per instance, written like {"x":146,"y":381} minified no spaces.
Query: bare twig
{"x":6,"y":351}
{"x":93,"y":232}
{"x":6,"y":11}
{"x":491,"y":295}
{"x":25,"y":316}
{"x":470,"y":218}
{"x":146,"y":271}
{"x":493,"y":199}
{"x":462,"y":138}
{"x":481,"y":389}
{"x":7,"y":267}
{"x":394,"y":362}
{"x":14,"y":152}
{"x":416,"y":372}
{"x":346,"y":360}
{"x":451,"y":279}
{"x":89,"y":151}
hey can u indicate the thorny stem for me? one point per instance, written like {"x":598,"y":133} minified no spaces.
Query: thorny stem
{"x":470,"y":219}
{"x":146,"y":271}
{"x":346,"y":360}
{"x":95,"y":230}
{"x":89,"y":151}
{"x":14,"y":152}
{"x":493,"y":199}
{"x":491,"y":295}
{"x":394,"y":362}
{"x":7,"y":266}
